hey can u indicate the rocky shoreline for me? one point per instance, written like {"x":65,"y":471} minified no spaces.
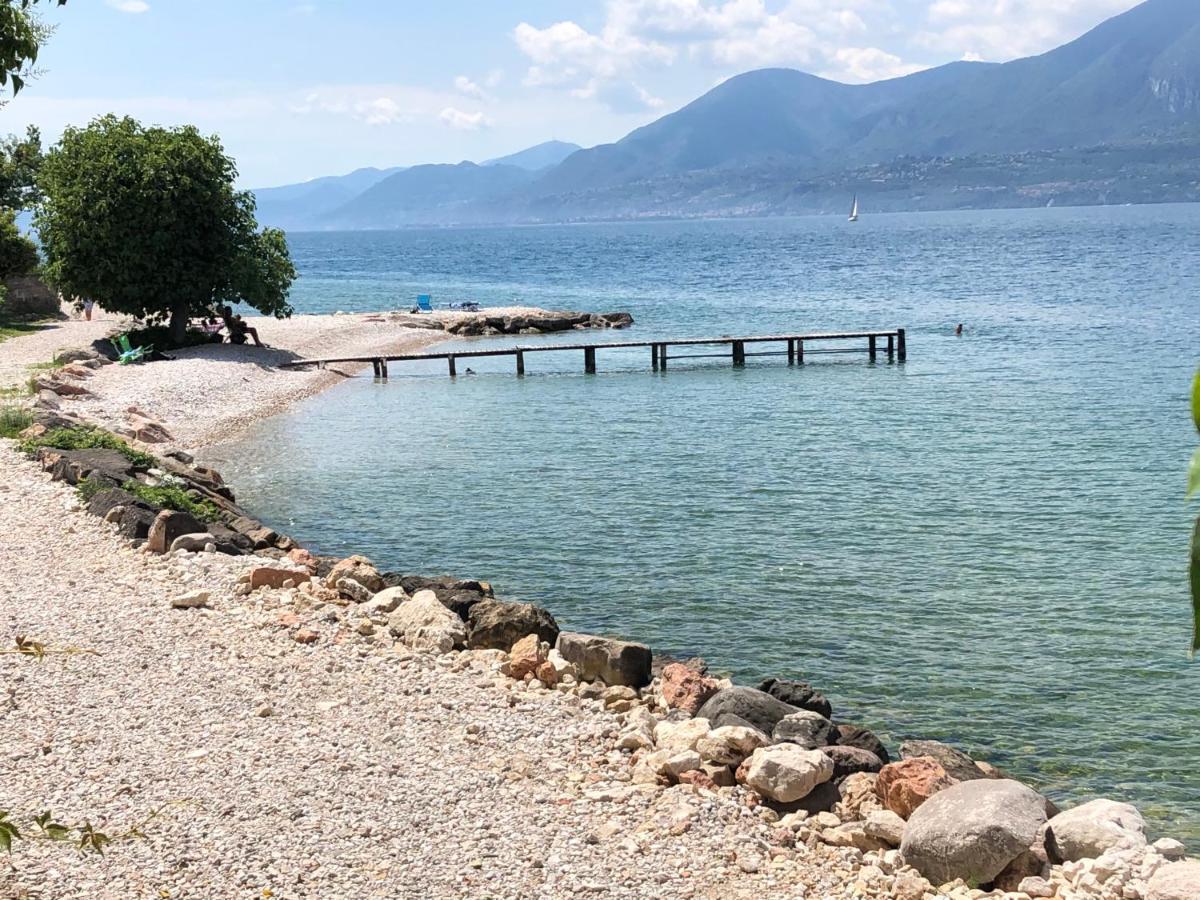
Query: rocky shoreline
{"x":925,"y":822}
{"x":487,"y":324}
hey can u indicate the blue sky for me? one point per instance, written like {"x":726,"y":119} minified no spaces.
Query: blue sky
{"x":301,"y":89}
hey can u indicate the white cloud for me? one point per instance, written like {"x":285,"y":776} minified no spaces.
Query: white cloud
{"x":374,"y":106}
{"x":468,"y":88}
{"x":463,"y":121}
{"x":129,"y":6}
{"x":1006,"y":29}
{"x":866,"y":64}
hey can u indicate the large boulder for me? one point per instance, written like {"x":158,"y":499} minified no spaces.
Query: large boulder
{"x":1177,"y":881}
{"x":849,"y":760}
{"x":132,"y":516}
{"x":810,"y":730}
{"x":358,"y":569}
{"x":973,"y":830}
{"x":1086,"y":831}
{"x":497,"y":625}
{"x":957,"y":764}
{"x":799,"y":694}
{"x":614,"y":662}
{"x":685,"y":688}
{"x":75,"y":466}
{"x":856,"y":736}
{"x":905,"y":785}
{"x":730,"y":744}
{"x":169,"y":525}
{"x":745,"y":706}
{"x":425,"y":624}
{"x":786,"y":772}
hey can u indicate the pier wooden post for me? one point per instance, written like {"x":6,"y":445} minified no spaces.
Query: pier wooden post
{"x":901,"y":349}
{"x":520,"y":362}
{"x":654,"y":357}
{"x":871,"y":347}
{"x":891,"y":347}
{"x":791,"y":352}
{"x":589,"y":360}
{"x":453,"y":369}
{"x":383,"y":369}
{"x":739,"y":353}
{"x":800,"y":352}
{"x":375,"y":367}
{"x":662,"y":357}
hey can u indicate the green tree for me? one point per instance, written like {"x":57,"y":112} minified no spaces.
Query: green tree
{"x":21,"y":37}
{"x":146,"y":221}
{"x":18,"y":254}
{"x":20,"y":159}
{"x":1193,"y":490}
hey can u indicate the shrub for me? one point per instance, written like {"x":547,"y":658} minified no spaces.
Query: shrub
{"x":171,"y":497}
{"x":86,"y":439}
{"x":89,"y":488}
{"x":13,"y":420}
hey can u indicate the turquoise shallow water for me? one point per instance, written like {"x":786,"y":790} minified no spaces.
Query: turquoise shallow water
{"x":986,"y":545}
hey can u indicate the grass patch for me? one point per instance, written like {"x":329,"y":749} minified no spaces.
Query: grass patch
{"x":14,"y":420}
{"x":55,"y":363}
{"x":87,"y":439}
{"x":11,"y":328}
{"x":169,"y":497}
{"x":17,"y":390}
{"x":89,"y":488}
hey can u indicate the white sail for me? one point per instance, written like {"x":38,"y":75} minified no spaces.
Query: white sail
{"x":854,"y":210}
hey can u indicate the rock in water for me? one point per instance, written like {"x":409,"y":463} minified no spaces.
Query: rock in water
{"x":1086,"y":831}
{"x":785,"y":772}
{"x":799,"y":694}
{"x":615,"y":662}
{"x":904,"y":786}
{"x":1178,"y":881}
{"x":810,"y":730}
{"x":424,"y":624}
{"x":686,"y":689}
{"x":973,"y":830}
{"x":957,"y":764}
{"x":497,"y":625}
{"x":747,"y":706}
{"x":855,"y":736}
{"x":169,"y":525}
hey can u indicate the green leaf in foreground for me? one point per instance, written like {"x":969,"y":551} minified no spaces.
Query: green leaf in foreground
{"x":8,"y":831}
{"x":1194,"y":578}
{"x":1196,"y":401}
{"x":1194,"y":476}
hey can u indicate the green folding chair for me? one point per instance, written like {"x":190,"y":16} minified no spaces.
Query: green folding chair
{"x":126,"y":353}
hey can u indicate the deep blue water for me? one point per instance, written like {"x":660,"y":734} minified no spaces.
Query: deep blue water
{"x":986,"y":545}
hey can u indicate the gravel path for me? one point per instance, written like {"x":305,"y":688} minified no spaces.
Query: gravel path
{"x":19,"y":353}
{"x":342,"y":768}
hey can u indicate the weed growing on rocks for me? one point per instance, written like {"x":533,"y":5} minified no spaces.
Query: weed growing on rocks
{"x":86,"y":439}
{"x":169,"y":497}
{"x":13,"y":420}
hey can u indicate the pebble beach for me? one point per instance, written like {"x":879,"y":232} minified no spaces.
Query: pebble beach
{"x":275,"y":730}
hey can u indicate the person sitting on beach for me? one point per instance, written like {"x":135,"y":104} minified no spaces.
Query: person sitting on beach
{"x":238,"y":329}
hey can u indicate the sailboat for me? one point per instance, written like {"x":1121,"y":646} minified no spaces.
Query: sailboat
{"x":854,"y":210}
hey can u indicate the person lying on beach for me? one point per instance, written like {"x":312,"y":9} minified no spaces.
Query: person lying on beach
{"x":238,"y":329}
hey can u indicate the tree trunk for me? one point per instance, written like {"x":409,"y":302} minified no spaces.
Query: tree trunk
{"x":179,"y":323}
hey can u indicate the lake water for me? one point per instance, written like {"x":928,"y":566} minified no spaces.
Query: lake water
{"x":986,"y":545}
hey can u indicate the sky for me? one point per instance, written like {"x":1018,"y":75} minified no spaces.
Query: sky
{"x":298,"y":89}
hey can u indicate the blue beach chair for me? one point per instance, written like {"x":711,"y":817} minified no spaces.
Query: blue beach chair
{"x":424,"y":303}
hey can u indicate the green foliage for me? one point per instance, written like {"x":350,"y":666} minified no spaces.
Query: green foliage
{"x":13,"y":420}
{"x":171,"y":497}
{"x":18,"y":254}
{"x":20,"y":159}
{"x":1193,"y":487}
{"x":89,"y":488}
{"x":21,"y":37}
{"x":86,"y":439}
{"x":145,"y":221}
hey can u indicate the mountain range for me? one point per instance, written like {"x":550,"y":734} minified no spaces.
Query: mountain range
{"x":1113,"y":116}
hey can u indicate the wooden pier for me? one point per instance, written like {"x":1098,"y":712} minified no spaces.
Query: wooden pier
{"x":796,"y":347}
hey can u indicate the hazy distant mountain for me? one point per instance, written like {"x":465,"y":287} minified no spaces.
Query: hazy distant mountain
{"x":543,"y":156}
{"x":1111,"y":117}
{"x":302,"y":205}
{"x":428,"y":195}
